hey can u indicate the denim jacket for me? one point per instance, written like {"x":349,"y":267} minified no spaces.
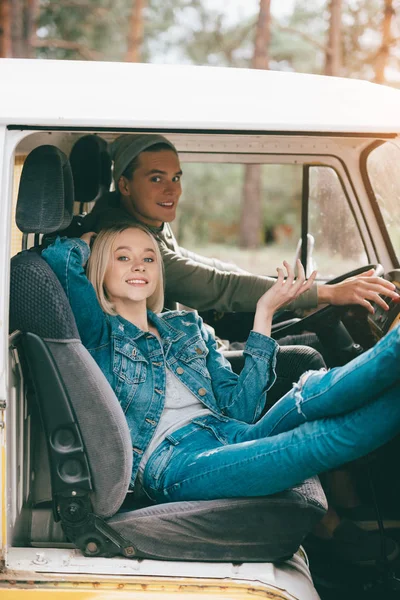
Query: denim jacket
{"x":134,"y":361}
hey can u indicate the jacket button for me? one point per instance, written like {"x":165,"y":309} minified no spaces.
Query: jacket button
{"x":180,"y":370}
{"x":198,"y":350}
{"x":202,"y":392}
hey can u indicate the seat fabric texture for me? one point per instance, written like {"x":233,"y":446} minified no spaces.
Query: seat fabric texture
{"x":45,"y":196}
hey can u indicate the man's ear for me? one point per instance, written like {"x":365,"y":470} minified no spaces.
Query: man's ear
{"x":123,"y":186}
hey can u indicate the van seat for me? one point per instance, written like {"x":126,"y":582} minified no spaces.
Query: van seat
{"x":89,"y":445}
{"x":91,"y":172}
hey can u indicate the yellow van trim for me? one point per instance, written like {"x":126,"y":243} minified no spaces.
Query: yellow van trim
{"x":145,"y":588}
{"x":3,"y":500}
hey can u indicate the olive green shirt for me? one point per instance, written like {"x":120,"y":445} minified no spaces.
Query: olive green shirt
{"x":196,"y":281}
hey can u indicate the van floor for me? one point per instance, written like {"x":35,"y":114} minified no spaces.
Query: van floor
{"x":334,"y":579}
{"x":377,"y":484}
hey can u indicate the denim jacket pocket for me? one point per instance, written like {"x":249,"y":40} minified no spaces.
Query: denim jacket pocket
{"x":128,"y":362}
{"x":194,"y":355}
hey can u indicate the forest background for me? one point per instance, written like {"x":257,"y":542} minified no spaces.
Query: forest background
{"x":347,"y":38}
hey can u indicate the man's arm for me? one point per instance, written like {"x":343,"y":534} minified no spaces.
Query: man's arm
{"x":212,"y":262}
{"x":167,"y":236}
{"x":203,"y":287}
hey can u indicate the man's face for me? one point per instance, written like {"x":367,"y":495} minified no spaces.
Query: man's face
{"x":153,"y":192}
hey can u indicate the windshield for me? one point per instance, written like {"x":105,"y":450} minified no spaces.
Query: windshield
{"x":383,"y":167}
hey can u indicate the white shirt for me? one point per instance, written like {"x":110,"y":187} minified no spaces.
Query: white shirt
{"x":180,"y":408}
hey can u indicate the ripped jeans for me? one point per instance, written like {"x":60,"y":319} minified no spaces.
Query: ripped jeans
{"x":327,"y":419}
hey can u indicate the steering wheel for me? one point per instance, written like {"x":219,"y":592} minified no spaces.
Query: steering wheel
{"x":326,"y":321}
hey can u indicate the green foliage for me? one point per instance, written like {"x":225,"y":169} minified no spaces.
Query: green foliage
{"x":97,"y":27}
{"x":211,"y":201}
{"x":191,"y":31}
{"x":164,"y":27}
{"x":281,"y":195}
{"x":298,"y":40}
{"x":204,"y":36}
{"x":361,"y":37}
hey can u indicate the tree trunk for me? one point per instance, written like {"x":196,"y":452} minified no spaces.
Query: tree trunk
{"x":263,"y":35}
{"x":32,"y":15}
{"x":251,"y":225}
{"x":23,"y":15}
{"x":5,"y":29}
{"x":383,"y":54}
{"x":17,"y":28}
{"x":333,"y":56}
{"x":251,"y":214}
{"x":135,"y":38}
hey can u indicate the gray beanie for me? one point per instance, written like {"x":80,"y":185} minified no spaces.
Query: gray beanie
{"x":127,"y":147}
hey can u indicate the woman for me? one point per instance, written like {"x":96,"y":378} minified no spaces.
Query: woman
{"x":193,"y":422}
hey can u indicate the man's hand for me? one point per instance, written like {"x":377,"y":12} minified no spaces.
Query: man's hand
{"x":361,"y":289}
{"x":88,"y":238}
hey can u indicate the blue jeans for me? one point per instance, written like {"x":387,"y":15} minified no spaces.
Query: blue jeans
{"x":327,"y":419}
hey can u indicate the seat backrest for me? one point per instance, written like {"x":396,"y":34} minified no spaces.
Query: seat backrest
{"x":81,"y":415}
{"x":91,"y":171}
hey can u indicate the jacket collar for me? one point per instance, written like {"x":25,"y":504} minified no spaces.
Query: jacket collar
{"x":165,"y":329}
{"x":121,"y":326}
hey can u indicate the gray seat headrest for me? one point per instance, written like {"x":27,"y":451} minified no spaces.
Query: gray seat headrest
{"x":45,"y":196}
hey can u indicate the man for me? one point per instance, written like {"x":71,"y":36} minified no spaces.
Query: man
{"x":147,"y":176}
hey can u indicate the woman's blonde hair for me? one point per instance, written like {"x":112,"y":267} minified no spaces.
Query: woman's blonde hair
{"x":98,"y":262}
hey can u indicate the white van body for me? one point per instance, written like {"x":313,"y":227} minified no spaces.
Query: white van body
{"x":210,"y":114}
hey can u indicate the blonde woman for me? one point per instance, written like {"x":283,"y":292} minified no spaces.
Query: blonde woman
{"x":194,"y":423}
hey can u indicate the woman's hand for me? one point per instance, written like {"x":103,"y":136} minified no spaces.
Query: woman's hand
{"x":282,"y":292}
{"x":88,"y":238}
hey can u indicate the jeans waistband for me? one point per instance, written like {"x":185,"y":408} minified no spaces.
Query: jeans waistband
{"x":197,"y":423}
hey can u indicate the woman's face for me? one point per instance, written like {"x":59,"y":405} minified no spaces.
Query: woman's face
{"x":133,"y":271}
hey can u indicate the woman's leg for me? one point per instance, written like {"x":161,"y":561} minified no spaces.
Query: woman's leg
{"x":199,"y":469}
{"x":340,"y":390}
